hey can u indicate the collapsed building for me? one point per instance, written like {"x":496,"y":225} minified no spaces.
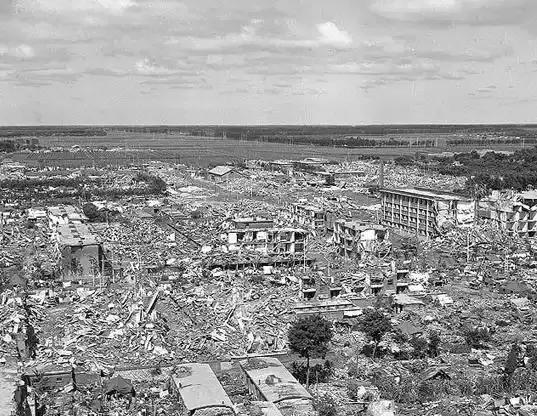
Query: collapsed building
{"x":64,"y":214}
{"x":266,"y":241}
{"x":81,"y":251}
{"x":308,"y":216}
{"x":426,"y":212}
{"x":355,"y":238}
{"x":514,"y":213}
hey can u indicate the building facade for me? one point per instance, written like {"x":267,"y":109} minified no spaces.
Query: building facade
{"x":514,"y":213}
{"x":423,"y":211}
{"x":81,"y":251}
{"x":355,"y":238}
{"x":308,"y":216}
{"x":266,"y":241}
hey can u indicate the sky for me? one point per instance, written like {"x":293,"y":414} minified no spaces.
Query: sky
{"x":267,"y":61}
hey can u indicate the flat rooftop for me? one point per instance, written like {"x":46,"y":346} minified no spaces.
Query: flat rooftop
{"x":274,"y":381}
{"x":199,"y":388}
{"x":426,"y":193}
{"x":63,"y":210}
{"x":268,"y":230}
{"x":250,"y":219}
{"x":75,"y":234}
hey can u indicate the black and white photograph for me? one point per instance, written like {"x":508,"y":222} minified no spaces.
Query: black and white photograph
{"x":268,"y":208}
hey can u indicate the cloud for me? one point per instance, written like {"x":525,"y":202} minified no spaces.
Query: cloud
{"x":43,"y":77}
{"x":20,"y":52}
{"x":332,"y":35}
{"x":254,"y":36}
{"x":448,"y":12}
{"x":63,"y":6}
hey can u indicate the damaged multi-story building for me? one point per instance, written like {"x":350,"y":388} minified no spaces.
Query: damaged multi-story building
{"x":81,"y":251}
{"x":266,"y":241}
{"x":355,"y":238}
{"x":308,"y":216}
{"x":423,"y":211}
{"x":515,"y":213}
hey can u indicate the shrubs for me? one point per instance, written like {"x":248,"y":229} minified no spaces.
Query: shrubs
{"x":476,"y":337}
{"x":320,"y":373}
{"x":403,"y":390}
{"x":434,"y":344}
{"x":325,"y":405}
{"x":420,"y":347}
{"x":489,"y":384}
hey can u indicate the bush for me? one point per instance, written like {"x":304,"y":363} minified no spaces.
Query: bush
{"x":404,"y":391}
{"x":434,"y":344}
{"x":93,"y":213}
{"x":524,"y":380}
{"x":492,"y":384}
{"x":420,"y":347}
{"x":352,"y":388}
{"x":431,"y":390}
{"x":476,"y":337}
{"x":325,"y":405}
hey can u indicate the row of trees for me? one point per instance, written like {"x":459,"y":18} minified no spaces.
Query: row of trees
{"x":488,"y":141}
{"x":350,"y":142}
{"x":47,"y":131}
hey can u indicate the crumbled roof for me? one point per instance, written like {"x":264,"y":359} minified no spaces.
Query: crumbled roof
{"x":62,"y":210}
{"x":199,"y":388}
{"x":221,"y":170}
{"x":274,"y":381}
{"x":76,"y":234}
{"x":361,"y":226}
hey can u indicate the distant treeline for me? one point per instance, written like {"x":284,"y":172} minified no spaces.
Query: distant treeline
{"x":487,"y":141}
{"x":47,"y":131}
{"x":10,"y":146}
{"x":351,"y":142}
{"x":372,"y":130}
{"x":490,"y":171}
{"x":519,"y":130}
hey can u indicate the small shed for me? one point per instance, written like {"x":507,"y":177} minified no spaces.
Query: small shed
{"x":221,"y":173}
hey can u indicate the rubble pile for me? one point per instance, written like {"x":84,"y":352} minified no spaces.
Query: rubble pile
{"x":396,"y":176}
{"x":226,"y":317}
{"x":99,"y":327}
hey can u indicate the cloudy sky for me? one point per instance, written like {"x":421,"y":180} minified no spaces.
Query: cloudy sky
{"x":267,"y":61}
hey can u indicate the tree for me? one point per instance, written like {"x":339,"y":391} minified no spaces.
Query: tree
{"x":92,"y":212}
{"x":434,"y":342}
{"x":375,"y":324}
{"x":511,"y":364}
{"x":420,"y":347}
{"x":309,"y":337}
